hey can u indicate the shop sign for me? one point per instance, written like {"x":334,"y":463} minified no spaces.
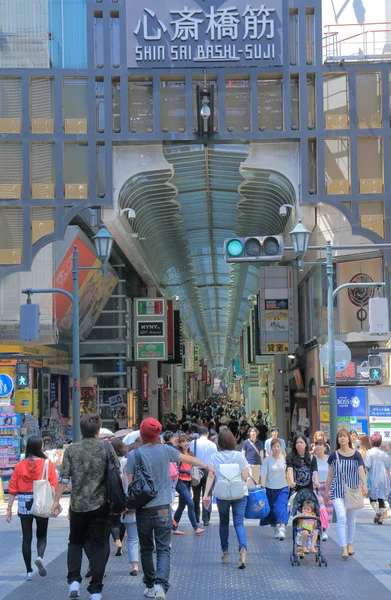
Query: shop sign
{"x":276,"y":315}
{"x":323,"y":395}
{"x":351,"y":402}
{"x":151,"y":351}
{"x":359,"y":425}
{"x":190,"y":34}
{"x":196,"y":358}
{"x":150,"y":329}
{"x":275,"y":348}
{"x":357,"y":371}
{"x":189,"y":356}
{"x":24,"y":401}
{"x":149,"y":307}
{"x":277,"y":320}
{"x":116,"y":400}
{"x":145,"y":386}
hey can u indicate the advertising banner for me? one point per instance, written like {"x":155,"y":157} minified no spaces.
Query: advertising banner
{"x":153,"y":328}
{"x":276,"y":310}
{"x":145,"y":386}
{"x":24,"y":401}
{"x":151,"y":351}
{"x":351,"y":402}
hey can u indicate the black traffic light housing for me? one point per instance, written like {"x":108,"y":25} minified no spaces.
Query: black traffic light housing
{"x":375,"y":367}
{"x":22,"y":375}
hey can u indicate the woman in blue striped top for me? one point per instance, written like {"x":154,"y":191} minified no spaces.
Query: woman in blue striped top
{"x":352,"y":465}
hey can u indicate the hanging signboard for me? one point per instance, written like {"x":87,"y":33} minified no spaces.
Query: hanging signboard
{"x":196,"y":359}
{"x":150,"y":326}
{"x":151,"y":351}
{"x":189,"y":356}
{"x":150,"y":329}
{"x":145,"y":386}
{"x":276,"y":310}
{"x":194,"y":34}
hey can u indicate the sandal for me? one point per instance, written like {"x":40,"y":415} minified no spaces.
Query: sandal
{"x":351,"y":551}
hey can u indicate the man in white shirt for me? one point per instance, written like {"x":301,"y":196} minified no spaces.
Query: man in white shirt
{"x":202,"y":447}
{"x":274,"y":436}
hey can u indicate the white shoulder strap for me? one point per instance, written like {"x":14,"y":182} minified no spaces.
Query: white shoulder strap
{"x":45,"y":471}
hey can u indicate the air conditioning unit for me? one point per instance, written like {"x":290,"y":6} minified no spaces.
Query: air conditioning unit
{"x":337,"y":186}
{"x":42,"y":190}
{"x":11,"y":257}
{"x":337,"y":122}
{"x":42,"y":126}
{"x":10,"y":190}
{"x":77,"y":126}
{"x":76,"y":191}
{"x":371,"y":186}
{"x":40,"y":229}
{"x":10,"y":125}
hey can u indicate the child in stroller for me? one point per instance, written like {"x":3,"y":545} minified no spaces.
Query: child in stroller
{"x":306,"y":527}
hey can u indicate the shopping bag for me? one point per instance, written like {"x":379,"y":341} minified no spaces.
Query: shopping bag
{"x":43,"y":494}
{"x":257,"y":504}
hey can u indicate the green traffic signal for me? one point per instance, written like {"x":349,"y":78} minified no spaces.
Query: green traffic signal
{"x":234,"y":247}
{"x":375,"y":374}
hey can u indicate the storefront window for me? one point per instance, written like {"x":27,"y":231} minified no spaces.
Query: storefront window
{"x":372,"y":216}
{"x":368,"y":97}
{"x":42,"y":170}
{"x":11,"y":170}
{"x":370,"y":165}
{"x":336,"y":101}
{"x":337,"y":165}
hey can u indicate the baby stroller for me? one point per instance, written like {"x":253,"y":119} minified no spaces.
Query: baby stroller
{"x":302,"y":496}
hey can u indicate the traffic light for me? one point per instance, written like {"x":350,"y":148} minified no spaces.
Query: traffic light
{"x":22,"y":375}
{"x":375,"y":367}
{"x":264,"y":248}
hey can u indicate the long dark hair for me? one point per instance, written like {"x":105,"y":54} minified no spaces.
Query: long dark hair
{"x":295,"y":458}
{"x":34,"y":447}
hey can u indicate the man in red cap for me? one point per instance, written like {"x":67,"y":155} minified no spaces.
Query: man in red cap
{"x":154,"y":520}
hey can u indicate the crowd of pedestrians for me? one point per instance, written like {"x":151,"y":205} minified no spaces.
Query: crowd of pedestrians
{"x":215,"y":453}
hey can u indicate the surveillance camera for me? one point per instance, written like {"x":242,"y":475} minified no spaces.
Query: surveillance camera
{"x":283,"y":211}
{"x":205,"y":112}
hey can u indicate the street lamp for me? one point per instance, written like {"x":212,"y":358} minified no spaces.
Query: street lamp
{"x":103,"y":241}
{"x":300,"y":237}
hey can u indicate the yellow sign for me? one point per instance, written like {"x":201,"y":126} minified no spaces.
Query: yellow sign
{"x":276,"y":347}
{"x":24,"y":401}
{"x":324,"y":416}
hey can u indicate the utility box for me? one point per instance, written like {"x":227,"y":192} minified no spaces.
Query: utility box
{"x":378,"y":316}
{"x":29,"y":322}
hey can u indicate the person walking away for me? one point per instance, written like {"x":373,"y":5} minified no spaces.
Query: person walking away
{"x":227,"y":455}
{"x":274,"y":436}
{"x":346,"y":466}
{"x":85,"y":465}
{"x":203,"y":449}
{"x":323,"y":469}
{"x":273,"y":478}
{"x":154,"y":519}
{"x":21,"y":485}
{"x":183,"y":488}
{"x":262,"y":431}
{"x":129,"y":518}
{"x":116,"y":526}
{"x":302,"y":467}
{"x":377,"y":464}
{"x":253,"y":451}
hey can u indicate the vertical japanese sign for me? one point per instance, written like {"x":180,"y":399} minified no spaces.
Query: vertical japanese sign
{"x":191,"y":34}
{"x":189,"y":356}
{"x":145,"y":386}
{"x":196,"y":359}
{"x":276,"y":310}
{"x":150,"y":329}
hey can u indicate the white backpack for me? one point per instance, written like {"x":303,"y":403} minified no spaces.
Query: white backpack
{"x":43,"y":494}
{"x":229,"y":484}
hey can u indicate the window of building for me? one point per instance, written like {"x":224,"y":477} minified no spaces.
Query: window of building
{"x":337,"y":165}
{"x":295,"y":103}
{"x":310,"y":35}
{"x":210,"y":80}
{"x":76,"y":170}
{"x":99,"y":104}
{"x":370,"y":165}
{"x":293,"y":36}
{"x":372,"y":216}
{"x":115,"y":39}
{"x":11,"y":236}
{"x":270,"y":103}
{"x":140,"y":104}
{"x":368,"y":99}
{"x":10,"y":105}
{"x":98,"y":39}
{"x":237,"y":103}
{"x":11,"y":170}
{"x":75,"y":104}
{"x":335,"y":101}
{"x":311,"y":101}
{"x":101,"y":170}
{"x":42,"y":170}
{"x":116,"y":104}
{"x":312,"y":167}
{"x":42,"y":104}
{"x":43,"y":219}
{"x":173,"y":104}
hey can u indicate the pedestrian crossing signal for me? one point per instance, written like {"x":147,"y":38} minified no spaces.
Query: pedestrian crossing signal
{"x":22,"y":377}
{"x":375,"y":374}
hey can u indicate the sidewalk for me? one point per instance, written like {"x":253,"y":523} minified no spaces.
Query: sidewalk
{"x":196,"y":566}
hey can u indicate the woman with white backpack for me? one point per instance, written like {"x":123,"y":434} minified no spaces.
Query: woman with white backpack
{"x":36,"y":466}
{"x":231,"y":473}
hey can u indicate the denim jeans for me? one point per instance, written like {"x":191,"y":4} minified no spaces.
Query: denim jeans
{"x":155,"y":523}
{"x":93,"y":528}
{"x":185,"y":499}
{"x":238,"y":510}
{"x":199,"y":490}
{"x":131,"y":530}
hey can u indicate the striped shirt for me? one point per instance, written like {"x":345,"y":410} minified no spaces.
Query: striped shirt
{"x":349,"y":466}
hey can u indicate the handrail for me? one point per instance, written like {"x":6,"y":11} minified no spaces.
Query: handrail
{"x":353,"y":36}
{"x":356,"y":24}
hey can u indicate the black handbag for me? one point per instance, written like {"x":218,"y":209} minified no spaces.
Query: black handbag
{"x":142,"y":489}
{"x":115,"y":488}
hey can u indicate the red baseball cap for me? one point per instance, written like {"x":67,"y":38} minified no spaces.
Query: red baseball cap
{"x":150,"y":429}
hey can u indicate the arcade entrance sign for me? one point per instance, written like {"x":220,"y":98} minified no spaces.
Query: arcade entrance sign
{"x":191,"y":33}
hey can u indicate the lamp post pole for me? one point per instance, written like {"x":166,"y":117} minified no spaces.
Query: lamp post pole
{"x":76,"y":348}
{"x":331,"y":342}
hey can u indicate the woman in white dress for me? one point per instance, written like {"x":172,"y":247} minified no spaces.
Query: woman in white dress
{"x":377,"y":464}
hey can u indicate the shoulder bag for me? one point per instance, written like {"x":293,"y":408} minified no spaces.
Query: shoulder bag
{"x":196,"y":474}
{"x":43,"y":494}
{"x":115,"y":488}
{"x":353,"y":497}
{"x":142,"y":489}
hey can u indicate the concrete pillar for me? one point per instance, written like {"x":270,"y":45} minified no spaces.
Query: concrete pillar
{"x":280,"y":362}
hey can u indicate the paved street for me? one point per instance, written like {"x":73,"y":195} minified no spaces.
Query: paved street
{"x":197,"y":559}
